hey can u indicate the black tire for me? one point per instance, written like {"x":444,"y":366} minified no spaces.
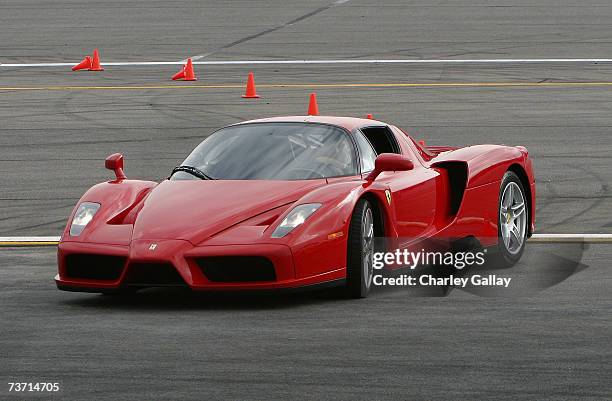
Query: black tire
{"x":358,"y":285}
{"x":503,"y":257}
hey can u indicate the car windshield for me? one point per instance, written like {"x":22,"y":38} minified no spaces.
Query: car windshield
{"x":271,"y":151}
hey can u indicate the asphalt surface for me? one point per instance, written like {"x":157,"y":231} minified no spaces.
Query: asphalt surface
{"x":36,"y":30}
{"x":53,"y":142}
{"x":539,"y":343}
{"x":545,"y":337}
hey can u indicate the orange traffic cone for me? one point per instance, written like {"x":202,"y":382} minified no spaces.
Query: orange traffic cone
{"x":313,"y":107}
{"x":370,"y":117}
{"x":180,"y":74}
{"x":83,"y":65}
{"x":250,"y":93}
{"x":186,"y":73}
{"x":95,"y":62}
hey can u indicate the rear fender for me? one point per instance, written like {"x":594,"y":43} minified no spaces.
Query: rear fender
{"x":486,"y":165}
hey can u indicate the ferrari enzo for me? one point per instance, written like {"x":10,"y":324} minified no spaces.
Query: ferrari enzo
{"x":289,"y":202}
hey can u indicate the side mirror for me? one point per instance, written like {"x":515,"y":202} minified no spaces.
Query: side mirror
{"x":115,"y":162}
{"x":389,"y":162}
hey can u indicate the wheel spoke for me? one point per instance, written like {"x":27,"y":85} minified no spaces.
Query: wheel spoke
{"x":367,"y":242}
{"x":517,"y":235}
{"x":506,"y":234}
{"x":506,"y":239}
{"x":509,"y":196}
{"x":518,"y":209}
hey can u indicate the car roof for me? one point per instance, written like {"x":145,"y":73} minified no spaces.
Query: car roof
{"x":349,"y":123}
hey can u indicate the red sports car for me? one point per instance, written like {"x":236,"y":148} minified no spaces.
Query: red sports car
{"x":290,"y":202}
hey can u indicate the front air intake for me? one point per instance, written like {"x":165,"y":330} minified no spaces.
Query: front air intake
{"x":153,"y":275}
{"x":237,"y":269}
{"x":94,"y":267}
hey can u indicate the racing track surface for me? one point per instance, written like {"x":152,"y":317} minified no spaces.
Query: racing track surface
{"x":398,"y":344}
{"x":550,"y":342}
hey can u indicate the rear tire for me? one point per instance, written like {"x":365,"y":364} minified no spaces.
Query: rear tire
{"x":360,"y":251}
{"x":512,"y":221}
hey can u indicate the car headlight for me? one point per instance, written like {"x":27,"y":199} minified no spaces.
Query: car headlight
{"x":296,"y":217}
{"x":82,"y":217}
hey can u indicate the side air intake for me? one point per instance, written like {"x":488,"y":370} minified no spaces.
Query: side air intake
{"x":457,"y":177}
{"x":94,"y":267}
{"x":237,"y":269}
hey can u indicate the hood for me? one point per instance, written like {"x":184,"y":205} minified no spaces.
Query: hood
{"x":196,"y":210}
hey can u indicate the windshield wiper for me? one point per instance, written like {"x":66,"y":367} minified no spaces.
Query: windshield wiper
{"x":193,"y":171}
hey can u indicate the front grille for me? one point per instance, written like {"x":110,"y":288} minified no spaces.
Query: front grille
{"x":237,"y":269}
{"x":153,"y":274}
{"x":94,"y":267}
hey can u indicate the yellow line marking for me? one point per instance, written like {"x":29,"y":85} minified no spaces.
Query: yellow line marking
{"x":315,"y":85}
{"x":28,"y":243}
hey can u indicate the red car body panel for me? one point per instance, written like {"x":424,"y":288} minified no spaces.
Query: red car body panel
{"x":178,"y":223}
{"x":171,"y":211}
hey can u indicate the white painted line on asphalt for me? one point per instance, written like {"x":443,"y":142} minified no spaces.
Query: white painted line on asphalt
{"x":128,"y":64}
{"x":332,"y":61}
{"x":574,"y":238}
{"x":536,"y":238}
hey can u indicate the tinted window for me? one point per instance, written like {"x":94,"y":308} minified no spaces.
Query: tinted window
{"x":381,"y":139}
{"x":366,"y":152}
{"x":274,"y":151}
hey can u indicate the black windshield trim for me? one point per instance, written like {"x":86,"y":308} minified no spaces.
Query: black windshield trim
{"x":193,"y":171}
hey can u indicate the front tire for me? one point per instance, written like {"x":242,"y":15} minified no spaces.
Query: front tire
{"x":512,"y":220}
{"x":360,"y":251}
